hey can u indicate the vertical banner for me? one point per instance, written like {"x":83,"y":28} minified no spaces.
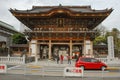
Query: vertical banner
{"x":110,"y":47}
{"x":3,"y":68}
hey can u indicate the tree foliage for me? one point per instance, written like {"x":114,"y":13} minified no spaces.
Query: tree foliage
{"x":19,"y":39}
{"x":100,"y":35}
{"x":100,"y":39}
{"x":115,"y":33}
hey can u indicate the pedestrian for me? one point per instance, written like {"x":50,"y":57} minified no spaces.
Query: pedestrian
{"x":61,"y":58}
{"x":57,"y":58}
{"x":69,"y":59}
{"x":75,"y":56}
{"x":24,"y":53}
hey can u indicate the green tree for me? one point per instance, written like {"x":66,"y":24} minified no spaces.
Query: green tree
{"x":99,"y":39}
{"x":19,"y":39}
{"x":115,"y":34}
{"x":102,"y":38}
{"x":100,"y":35}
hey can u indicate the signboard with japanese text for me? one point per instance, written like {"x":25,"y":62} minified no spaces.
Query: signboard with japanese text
{"x":3,"y":68}
{"x":110,"y":47}
{"x":73,"y":71}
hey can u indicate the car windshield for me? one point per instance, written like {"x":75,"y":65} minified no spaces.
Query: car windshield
{"x":89,"y":59}
{"x":86,"y":59}
{"x":94,"y":60}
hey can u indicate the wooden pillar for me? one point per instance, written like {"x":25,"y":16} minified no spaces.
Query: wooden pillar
{"x":91,"y":48}
{"x":84,"y":48}
{"x":36,"y":56}
{"x":30,"y":50}
{"x":49,"y":56}
{"x":70,"y":47}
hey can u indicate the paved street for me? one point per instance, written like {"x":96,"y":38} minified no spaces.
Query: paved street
{"x":37,"y":77}
{"x":51,"y":68}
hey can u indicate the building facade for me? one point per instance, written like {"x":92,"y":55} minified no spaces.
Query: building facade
{"x":61,"y":30}
{"x":6,"y":31}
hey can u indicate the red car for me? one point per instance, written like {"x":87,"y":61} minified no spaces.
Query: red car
{"x":90,"y":63}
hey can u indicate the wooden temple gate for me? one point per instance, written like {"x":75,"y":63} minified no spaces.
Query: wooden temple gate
{"x":57,"y":29}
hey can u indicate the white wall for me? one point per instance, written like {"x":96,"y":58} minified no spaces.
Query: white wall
{"x":88,"y":48}
{"x":33,"y":47}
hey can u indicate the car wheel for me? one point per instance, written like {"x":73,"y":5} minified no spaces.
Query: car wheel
{"x":103,"y":68}
{"x":82,"y":67}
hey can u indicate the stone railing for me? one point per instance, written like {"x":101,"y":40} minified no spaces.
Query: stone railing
{"x":12,"y":60}
{"x":105,"y":60}
{"x":109,"y":60}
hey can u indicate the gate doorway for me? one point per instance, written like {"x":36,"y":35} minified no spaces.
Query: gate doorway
{"x":77,"y":51}
{"x":44,"y":51}
{"x":60,"y":50}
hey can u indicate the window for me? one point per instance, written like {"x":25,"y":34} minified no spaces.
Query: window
{"x":86,"y":59}
{"x":60,"y":22}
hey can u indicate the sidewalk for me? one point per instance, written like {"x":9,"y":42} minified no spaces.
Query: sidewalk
{"x":115,"y":63}
{"x":47,"y":62}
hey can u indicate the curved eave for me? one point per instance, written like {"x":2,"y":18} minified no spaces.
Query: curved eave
{"x":100,"y":14}
{"x":95,"y":13}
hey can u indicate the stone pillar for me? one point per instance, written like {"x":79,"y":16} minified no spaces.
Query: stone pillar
{"x":71,"y":48}
{"x":88,"y":48}
{"x":110,"y":47}
{"x":49,"y":56}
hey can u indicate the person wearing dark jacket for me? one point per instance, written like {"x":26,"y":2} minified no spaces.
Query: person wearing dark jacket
{"x":69,"y":59}
{"x":57,"y":57}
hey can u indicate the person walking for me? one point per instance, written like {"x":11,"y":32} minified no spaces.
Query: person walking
{"x":69,"y":59}
{"x":61,"y":58}
{"x":57,"y":58}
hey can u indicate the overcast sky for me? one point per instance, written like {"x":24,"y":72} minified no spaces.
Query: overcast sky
{"x":113,"y":21}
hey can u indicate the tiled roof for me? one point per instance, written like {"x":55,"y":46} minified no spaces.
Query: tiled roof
{"x":81,"y":9}
{"x":5,"y":25}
